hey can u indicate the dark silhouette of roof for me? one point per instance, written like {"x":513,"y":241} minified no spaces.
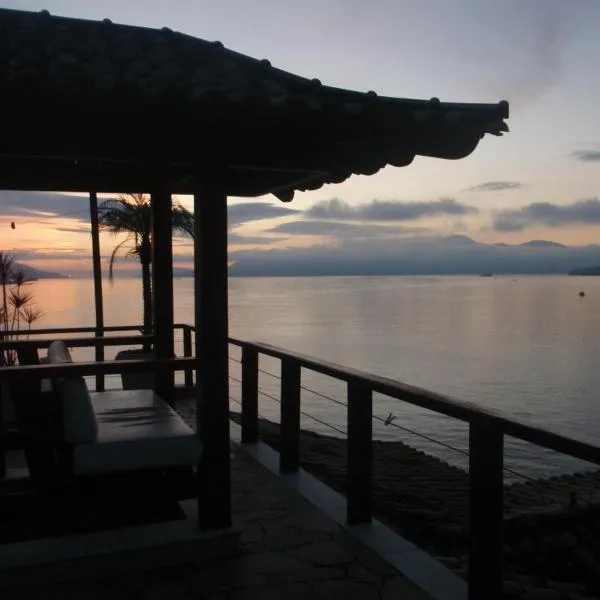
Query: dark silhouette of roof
{"x":96,"y":105}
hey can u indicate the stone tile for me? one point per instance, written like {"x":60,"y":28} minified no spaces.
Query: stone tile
{"x":167,"y":591}
{"x":357,"y":572}
{"x":346,"y":589}
{"x":282,"y":543}
{"x":396,"y":588}
{"x":328,"y":554}
{"x":294,"y":591}
{"x":218,"y":578}
{"x":70,"y":591}
{"x":308,"y":575}
{"x":268,"y":563}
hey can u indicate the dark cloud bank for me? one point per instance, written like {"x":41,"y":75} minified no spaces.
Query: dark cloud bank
{"x":496,"y":186}
{"x":387,"y":210}
{"x":587,"y":154}
{"x":549,"y":215}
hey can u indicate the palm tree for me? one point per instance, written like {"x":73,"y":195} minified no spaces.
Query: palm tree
{"x":131,"y":214}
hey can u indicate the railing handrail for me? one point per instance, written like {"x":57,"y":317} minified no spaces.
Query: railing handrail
{"x":57,"y":330}
{"x":446,"y":405}
{"x":108,"y":367}
{"x":88,"y":342}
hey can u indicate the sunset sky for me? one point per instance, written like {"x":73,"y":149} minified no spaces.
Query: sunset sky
{"x":540,"y":181}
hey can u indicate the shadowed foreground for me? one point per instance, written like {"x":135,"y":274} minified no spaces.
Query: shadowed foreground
{"x":287,"y":549}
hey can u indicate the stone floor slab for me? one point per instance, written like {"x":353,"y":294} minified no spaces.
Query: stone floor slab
{"x":287,"y":549}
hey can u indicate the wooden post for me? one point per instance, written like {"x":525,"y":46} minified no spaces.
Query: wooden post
{"x":289,"y":452}
{"x":485,"y":510}
{"x":249,"y":394}
{"x":3,"y":389}
{"x":360,"y":453}
{"x":162,"y":286}
{"x":212,"y":351}
{"x":98,"y":301}
{"x":187,"y":352}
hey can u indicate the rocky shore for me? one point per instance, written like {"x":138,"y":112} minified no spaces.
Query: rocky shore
{"x":552,"y":526}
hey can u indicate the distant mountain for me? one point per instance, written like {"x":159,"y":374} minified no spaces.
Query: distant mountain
{"x":415,"y":255}
{"x":183,"y":272}
{"x":587,"y":271}
{"x":541,"y":244}
{"x":33,"y":273}
{"x":459,"y":240}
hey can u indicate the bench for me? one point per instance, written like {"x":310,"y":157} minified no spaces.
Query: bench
{"x":118,"y":431}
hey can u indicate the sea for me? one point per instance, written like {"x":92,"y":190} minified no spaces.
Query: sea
{"x":526,"y":346}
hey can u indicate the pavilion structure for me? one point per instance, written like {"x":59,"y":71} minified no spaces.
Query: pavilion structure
{"x":92,"y":106}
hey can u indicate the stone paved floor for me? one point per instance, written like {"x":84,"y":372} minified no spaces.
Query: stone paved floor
{"x":287,"y":550}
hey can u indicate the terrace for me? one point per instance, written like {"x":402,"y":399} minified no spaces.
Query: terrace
{"x":332,"y":540}
{"x":213,"y":123}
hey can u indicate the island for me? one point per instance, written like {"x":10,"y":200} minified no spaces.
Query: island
{"x":589,"y":271}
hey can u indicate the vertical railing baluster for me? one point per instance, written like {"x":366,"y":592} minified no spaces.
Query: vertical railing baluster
{"x":486,"y":459}
{"x":360,"y":452}
{"x":289,"y":453}
{"x":187,"y":352}
{"x":4,"y":387}
{"x":249,"y":394}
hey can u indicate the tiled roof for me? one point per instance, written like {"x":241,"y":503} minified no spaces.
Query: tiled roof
{"x":103,"y":94}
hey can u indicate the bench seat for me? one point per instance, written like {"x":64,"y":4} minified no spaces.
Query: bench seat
{"x":136,"y":430}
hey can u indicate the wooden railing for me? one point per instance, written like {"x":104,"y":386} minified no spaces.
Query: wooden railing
{"x":487,"y":430}
{"x":32,"y":339}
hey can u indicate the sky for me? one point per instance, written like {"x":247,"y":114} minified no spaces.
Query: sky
{"x":539,"y":181}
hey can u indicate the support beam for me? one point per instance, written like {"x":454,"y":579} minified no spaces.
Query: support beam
{"x":212,"y":376}
{"x":98,"y":302}
{"x":162,"y":286}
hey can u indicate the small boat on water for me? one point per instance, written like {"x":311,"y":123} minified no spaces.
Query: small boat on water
{"x":486,"y":275}
{"x":581,"y":294}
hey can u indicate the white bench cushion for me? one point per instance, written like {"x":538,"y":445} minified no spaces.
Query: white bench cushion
{"x":79,"y":421}
{"x":58,"y":353}
{"x":136,"y":430}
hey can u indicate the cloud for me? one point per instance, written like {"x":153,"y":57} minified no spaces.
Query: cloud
{"x":548,"y":214}
{"x":526,"y":62}
{"x":234,"y":238}
{"x":73,"y":229}
{"x":337,"y":229}
{"x":587,"y":154}
{"x":35,"y":206}
{"x":244,"y":212}
{"x":51,"y":254}
{"x":387,"y":210}
{"x":496,"y":186}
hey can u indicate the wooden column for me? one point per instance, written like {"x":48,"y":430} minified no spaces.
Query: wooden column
{"x":360,"y":453}
{"x":162,"y":286}
{"x":212,"y":375}
{"x":98,"y":302}
{"x":486,"y":489}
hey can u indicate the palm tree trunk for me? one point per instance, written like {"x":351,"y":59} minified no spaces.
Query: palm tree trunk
{"x":145,"y":260}
{"x":147,"y":295}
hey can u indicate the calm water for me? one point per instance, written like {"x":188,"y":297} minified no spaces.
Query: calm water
{"x":526,"y":346}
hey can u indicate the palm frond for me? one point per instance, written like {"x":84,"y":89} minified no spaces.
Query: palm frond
{"x":183,"y":219}
{"x":113,"y":256}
